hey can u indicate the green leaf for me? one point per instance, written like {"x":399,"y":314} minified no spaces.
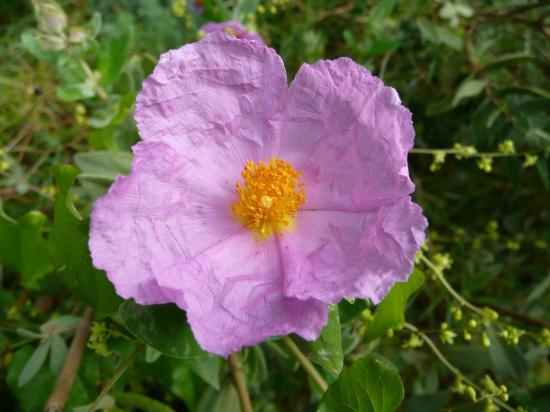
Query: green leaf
{"x":226,"y":400}
{"x":34,"y":363}
{"x":75,"y":91}
{"x":143,"y":403}
{"x":43,"y":47}
{"x":114,"y":53}
{"x":390,"y":313}
{"x":505,"y":60}
{"x":349,"y":310}
{"x":371,"y":384}
{"x":208,"y":369}
{"x":57,"y":354}
{"x":163,"y":327}
{"x":100,"y":169}
{"x":23,"y":249}
{"x":468,"y":88}
{"x":327,"y":349}
{"x":69,"y":241}
{"x":439,"y":34}
{"x":507,"y":361}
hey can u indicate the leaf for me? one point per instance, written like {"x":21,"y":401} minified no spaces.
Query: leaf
{"x":391,"y":311}
{"x":163,"y":327}
{"x":507,"y":361}
{"x":439,"y":34}
{"x":226,"y":400}
{"x":69,"y":241}
{"x":34,"y":363}
{"x":23,"y":249}
{"x":327,"y":349}
{"x":100,"y":169}
{"x":75,"y":91}
{"x":151,"y":354}
{"x":505,"y":60}
{"x":208,"y":369}
{"x":45,"y":48}
{"x":468,"y":88}
{"x":141,"y":402}
{"x":114,"y":53}
{"x":105,"y":404}
{"x":349,"y":310}
{"x":371,"y":384}
{"x":57,"y":354}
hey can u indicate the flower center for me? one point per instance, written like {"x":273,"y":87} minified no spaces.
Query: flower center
{"x":270,"y":196}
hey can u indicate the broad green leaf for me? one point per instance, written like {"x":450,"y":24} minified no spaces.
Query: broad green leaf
{"x":57,"y":354}
{"x":507,"y":361}
{"x":34,"y":363}
{"x":163,"y":327}
{"x":208,"y":369}
{"x":390,"y":313}
{"x":371,"y":384}
{"x":69,"y":241}
{"x":75,"y":91}
{"x":23,"y":249}
{"x":43,"y":47}
{"x":468,"y":88}
{"x":100,"y":169}
{"x":327,"y":349}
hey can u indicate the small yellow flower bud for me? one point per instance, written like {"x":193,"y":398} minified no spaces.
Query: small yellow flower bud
{"x":485,"y":341}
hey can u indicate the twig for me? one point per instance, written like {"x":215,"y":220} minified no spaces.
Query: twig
{"x":306,"y":364}
{"x":58,"y":398}
{"x":449,"y":288}
{"x":240,"y":382}
{"x":118,"y":373}
{"x":450,"y":366}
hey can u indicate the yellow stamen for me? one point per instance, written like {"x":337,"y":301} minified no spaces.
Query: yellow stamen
{"x":270,"y":197}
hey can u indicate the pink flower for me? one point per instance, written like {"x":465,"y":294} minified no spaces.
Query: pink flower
{"x":252,"y":204}
{"x":232,"y":28}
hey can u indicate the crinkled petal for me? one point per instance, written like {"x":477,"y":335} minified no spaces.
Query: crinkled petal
{"x":349,"y":135}
{"x":218,"y":92}
{"x":234,"y":296}
{"x":167,"y":210}
{"x":331,"y":255}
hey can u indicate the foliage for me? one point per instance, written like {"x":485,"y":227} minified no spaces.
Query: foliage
{"x":474,"y":334}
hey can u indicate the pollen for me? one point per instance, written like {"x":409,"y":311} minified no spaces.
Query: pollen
{"x":270,"y":196}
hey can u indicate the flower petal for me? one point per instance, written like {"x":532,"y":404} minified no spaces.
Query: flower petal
{"x":218,"y":91}
{"x":349,"y":135}
{"x":233,"y":295}
{"x":332,"y":255}
{"x":167,"y":210}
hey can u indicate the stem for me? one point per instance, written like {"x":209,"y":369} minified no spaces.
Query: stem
{"x":306,"y":364}
{"x":58,"y":398}
{"x":240,"y":382}
{"x":449,"y":365}
{"x":447,"y":286}
{"x":118,"y":373}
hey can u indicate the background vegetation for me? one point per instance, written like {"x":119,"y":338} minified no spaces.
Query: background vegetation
{"x":476,"y":335}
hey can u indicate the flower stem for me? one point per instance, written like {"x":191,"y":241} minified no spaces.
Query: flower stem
{"x":306,"y":364}
{"x":58,"y":398}
{"x":449,"y":365}
{"x":118,"y":373}
{"x":240,"y":382}
{"x":439,"y":274}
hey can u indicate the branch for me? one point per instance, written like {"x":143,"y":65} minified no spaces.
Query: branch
{"x":58,"y":398}
{"x":240,"y":382}
{"x":306,"y":364}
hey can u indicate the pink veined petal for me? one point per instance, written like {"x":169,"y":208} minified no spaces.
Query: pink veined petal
{"x":167,"y":210}
{"x":234,"y":296}
{"x":331,"y":255}
{"x":349,"y":135}
{"x":219,"y":92}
